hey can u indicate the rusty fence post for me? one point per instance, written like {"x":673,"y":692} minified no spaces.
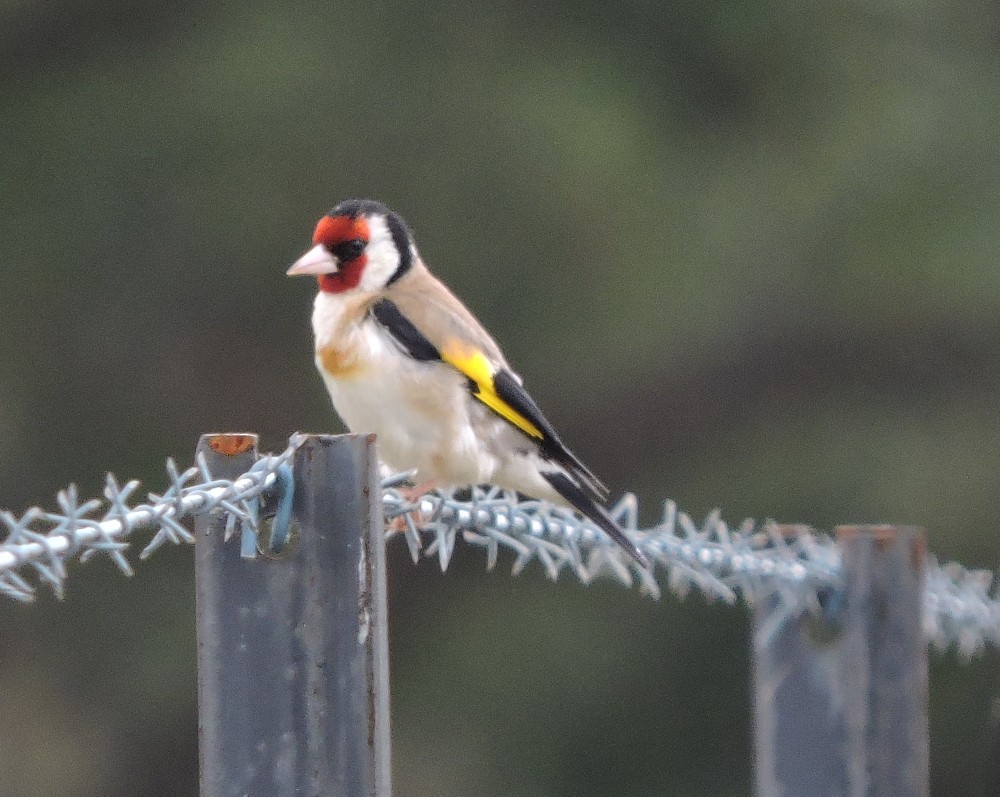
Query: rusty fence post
{"x":292,"y":652}
{"x":840,"y":708}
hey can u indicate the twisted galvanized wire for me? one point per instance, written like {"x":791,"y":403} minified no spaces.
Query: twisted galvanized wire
{"x":752,"y":561}
{"x":44,"y":542}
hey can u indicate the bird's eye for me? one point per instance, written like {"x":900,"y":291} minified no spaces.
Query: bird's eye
{"x":348,"y":250}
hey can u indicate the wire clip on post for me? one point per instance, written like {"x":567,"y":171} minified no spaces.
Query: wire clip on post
{"x":281,"y":494}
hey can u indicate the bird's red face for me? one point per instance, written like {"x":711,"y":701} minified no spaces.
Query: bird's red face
{"x":338,"y":258}
{"x":359,"y":245}
{"x":346,"y":238}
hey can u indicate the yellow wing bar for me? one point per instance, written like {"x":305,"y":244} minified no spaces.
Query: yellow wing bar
{"x":475,"y":366}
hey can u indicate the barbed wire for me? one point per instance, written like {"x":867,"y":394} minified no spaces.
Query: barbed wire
{"x":45,"y":541}
{"x":752,"y":561}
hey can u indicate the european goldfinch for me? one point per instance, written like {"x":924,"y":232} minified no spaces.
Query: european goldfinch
{"x":402,"y":357}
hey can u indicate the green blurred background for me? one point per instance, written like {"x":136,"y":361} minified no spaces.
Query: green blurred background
{"x":744,"y":254}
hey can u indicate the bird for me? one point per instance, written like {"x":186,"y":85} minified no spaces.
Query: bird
{"x":403,"y":357}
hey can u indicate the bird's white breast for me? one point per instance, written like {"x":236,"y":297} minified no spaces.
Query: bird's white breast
{"x":419,"y":410}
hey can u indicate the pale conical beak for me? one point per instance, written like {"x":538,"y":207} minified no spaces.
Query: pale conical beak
{"x":316,"y":261}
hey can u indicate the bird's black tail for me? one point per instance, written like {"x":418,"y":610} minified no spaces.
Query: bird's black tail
{"x":578,"y":497}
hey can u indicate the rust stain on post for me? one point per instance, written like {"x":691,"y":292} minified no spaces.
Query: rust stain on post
{"x":884,"y":535}
{"x":231,"y":445}
{"x":918,"y":551}
{"x":790,"y":531}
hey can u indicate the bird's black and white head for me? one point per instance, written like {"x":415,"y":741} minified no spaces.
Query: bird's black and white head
{"x":360,"y":245}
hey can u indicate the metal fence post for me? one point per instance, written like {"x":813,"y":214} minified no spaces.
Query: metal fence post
{"x":293,"y":652}
{"x":841,"y":709}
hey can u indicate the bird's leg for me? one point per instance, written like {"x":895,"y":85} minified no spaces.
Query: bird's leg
{"x":412,"y":495}
{"x":415,"y":493}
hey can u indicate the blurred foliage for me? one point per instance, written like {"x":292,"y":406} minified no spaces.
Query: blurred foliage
{"x":743,"y":253}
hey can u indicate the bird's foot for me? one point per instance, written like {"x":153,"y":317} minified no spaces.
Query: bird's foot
{"x":412,"y":495}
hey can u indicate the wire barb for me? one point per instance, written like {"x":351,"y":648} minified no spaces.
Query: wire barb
{"x":751,"y":561}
